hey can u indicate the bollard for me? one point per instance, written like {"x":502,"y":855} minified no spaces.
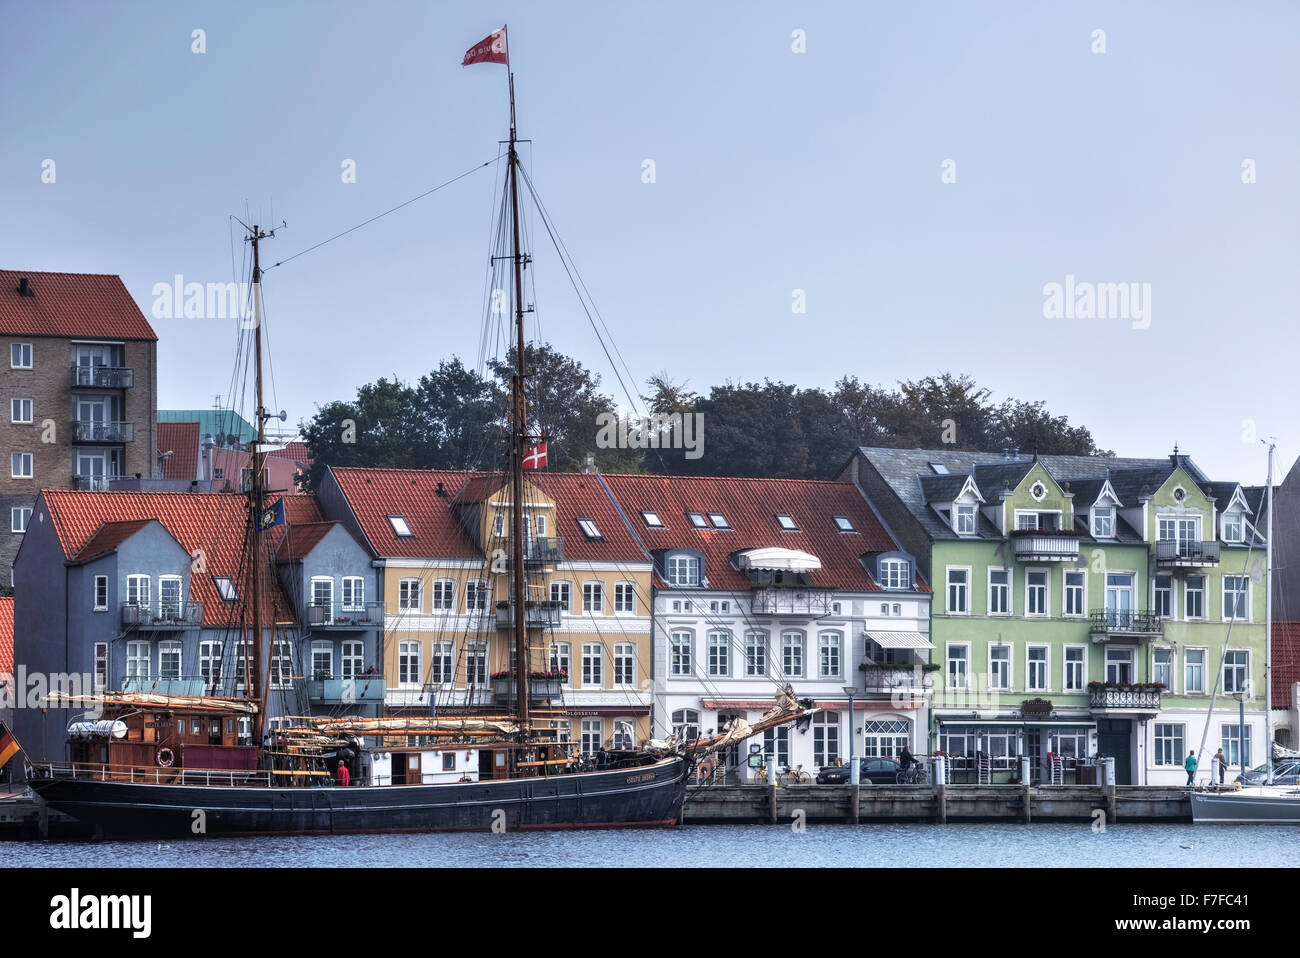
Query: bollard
{"x":941,"y":780}
{"x":1025,"y":778}
{"x":1108,"y":786}
{"x":856,"y":799}
{"x":771,"y":800}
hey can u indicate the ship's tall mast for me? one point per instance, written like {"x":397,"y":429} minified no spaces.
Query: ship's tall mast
{"x":260,"y":678}
{"x":518,"y":444}
{"x":1268,"y":620}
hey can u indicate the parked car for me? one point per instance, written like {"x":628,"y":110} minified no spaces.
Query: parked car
{"x":1284,"y":773}
{"x":874,"y":771}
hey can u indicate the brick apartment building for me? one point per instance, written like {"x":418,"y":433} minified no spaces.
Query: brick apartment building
{"x":81,"y":391}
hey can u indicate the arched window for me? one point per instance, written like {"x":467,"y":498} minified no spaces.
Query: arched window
{"x":686,"y":725}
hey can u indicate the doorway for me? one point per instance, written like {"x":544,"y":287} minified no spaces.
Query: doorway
{"x":1115,"y":738}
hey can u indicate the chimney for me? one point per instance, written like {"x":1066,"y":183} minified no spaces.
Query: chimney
{"x":207,"y":445}
{"x":1015,"y":452}
{"x":441,"y":492}
{"x":589,"y":465}
{"x":25,"y":287}
{"x":1173,"y":456}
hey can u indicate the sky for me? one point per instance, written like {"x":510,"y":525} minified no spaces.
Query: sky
{"x":916,"y":174}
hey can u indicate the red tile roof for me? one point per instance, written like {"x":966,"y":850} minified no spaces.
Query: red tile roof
{"x":6,"y":636}
{"x":211,"y":522}
{"x":108,"y":537}
{"x":181,"y":439}
{"x":1286,"y":662}
{"x":297,"y":451}
{"x":299,"y":540}
{"x":750,"y":507}
{"x":93,"y":305}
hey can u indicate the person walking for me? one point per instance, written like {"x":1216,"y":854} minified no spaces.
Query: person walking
{"x":1190,"y":765}
{"x":1221,"y":763}
{"x":341,"y":774}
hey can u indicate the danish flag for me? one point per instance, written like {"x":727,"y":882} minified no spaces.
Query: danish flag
{"x":536,"y":458}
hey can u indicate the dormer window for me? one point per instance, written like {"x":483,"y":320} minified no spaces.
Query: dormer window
{"x":719,"y":520}
{"x":963,"y":520}
{"x":588,"y":527}
{"x":697,"y":520}
{"x":684,"y":570}
{"x":843,"y":524}
{"x":652,"y":520}
{"x":895,"y":574}
{"x":1233,"y":527}
{"x":787,"y":522}
{"x":226,"y":588}
{"x":399,"y":526}
{"x":1103,"y":523}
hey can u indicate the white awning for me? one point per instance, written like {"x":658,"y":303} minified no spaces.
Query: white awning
{"x":778,"y":560}
{"x":900,"y":640}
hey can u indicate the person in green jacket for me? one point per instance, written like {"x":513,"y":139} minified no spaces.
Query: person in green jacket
{"x":1190,"y":765}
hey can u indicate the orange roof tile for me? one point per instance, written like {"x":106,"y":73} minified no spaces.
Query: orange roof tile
{"x":6,"y":636}
{"x":299,"y":540}
{"x":1286,"y":662}
{"x":94,"y":305}
{"x":297,"y":451}
{"x":750,"y":508}
{"x":181,"y":439}
{"x":211,"y":522}
{"x":108,"y":537}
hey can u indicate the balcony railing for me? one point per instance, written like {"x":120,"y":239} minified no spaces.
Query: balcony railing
{"x":168,"y":685}
{"x":895,"y":678}
{"x":1039,"y":546}
{"x":360,"y":690}
{"x":802,"y":601}
{"x":95,"y":430}
{"x":103,"y":377}
{"x":543,"y":614}
{"x":1186,"y":552}
{"x":169,"y":615}
{"x":368,"y":615}
{"x":92,"y":483}
{"x":1125,"y":697}
{"x":540,"y":549}
{"x":1124,"y":622}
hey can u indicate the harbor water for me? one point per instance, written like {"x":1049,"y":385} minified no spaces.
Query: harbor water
{"x":1040,"y":845}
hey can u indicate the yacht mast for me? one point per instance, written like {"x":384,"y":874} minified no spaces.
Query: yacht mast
{"x":1268,"y":619}
{"x":259,"y":678}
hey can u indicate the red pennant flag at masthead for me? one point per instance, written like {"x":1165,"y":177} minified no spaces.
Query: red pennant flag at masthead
{"x":491,"y":49}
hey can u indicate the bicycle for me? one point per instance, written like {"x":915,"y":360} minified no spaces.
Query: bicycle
{"x":916,"y":775}
{"x":760,"y":777}
{"x":796,"y":776}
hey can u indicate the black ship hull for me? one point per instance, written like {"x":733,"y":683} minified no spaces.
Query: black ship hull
{"x":644,"y":796}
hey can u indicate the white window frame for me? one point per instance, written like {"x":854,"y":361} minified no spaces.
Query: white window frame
{"x":718,"y":644}
{"x":410,"y":668}
{"x":401,"y":528}
{"x":1081,"y":668}
{"x":624,"y":673}
{"x":593,"y":665}
{"x":1174,"y":744}
{"x":100,"y":586}
{"x":756,"y":663}
{"x":442,"y":595}
{"x":965,"y":510}
{"x":560,"y":659}
{"x":652,"y":519}
{"x":476,"y":596}
{"x":19,"y":518}
{"x":1202,"y":591}
{"x":679,"y":564}
{"x":949,"y":658}
{"x":843,"y":523}
{"x":138,"y":652}
{"x":99,"y":678}
{"x":1046,"y":664}
{"x":593,"y":735}
{"x":352,"y":595}
{"x":352,"y":658}
{"x":798,"y":646}
{"x":1173,"y":597}
{"x":1065,"y":594}
{"x":830,"y":649}
{"x":476,"y":663}
{"x":680,"y":648}
{"x":625,"y":598}
{"x":894,"y":574}
{"x":410,"y":595}
{"x":565,"y":589}
{"x":948,"y":587}
{"x":21,"y":465}
{"x":163,"y":582}
{"x":281,"y":664}
{"x":1243,"y":577}
{"x":593,"y":597}
{"x":442,"y":663}
{"x":1246,"y":683}
{"x":786,"y":522}
{"x":1005,"y":588}
{"x":226,"y":588}
{"x":1171,"y":685}
{"x":142,"y":586}
{"x":316,"y":603}
{"x":697,"y":520}
{"x":1199,"y":687}
{"x":1106,"y":513}
{"x":1114,"y":653}
{"x":210,"y":651}
{"x":24,"y":350}
{"x":1046,"y":588}
{"x":1236,"y":517}
{"x":590,"y":529}
{"x":16,"y":410}
{"x":499,"y":525}
{"x":171,"y":648}
{"x":1010,"y":660}
{"x":322,"y":647}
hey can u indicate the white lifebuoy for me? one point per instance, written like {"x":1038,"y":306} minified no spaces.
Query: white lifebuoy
{"x":165,"y":757}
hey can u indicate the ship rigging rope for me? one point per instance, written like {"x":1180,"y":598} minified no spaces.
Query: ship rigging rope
{"x":352,"y":229}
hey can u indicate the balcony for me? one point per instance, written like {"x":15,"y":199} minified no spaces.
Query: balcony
{"x":538,"y":549}
{"x":891,"y":679}
{"x":1045,"y":545}
{"x":361,"y":690}
{"x":170,"y":685}
{"x":97,"y":430}
{"x":540,"y":614}
{"x":1124,"y":699}
{"x":1124,"y":622}
{"x":541,"y":686}
{"x":168,"y":616}
{"x":103,"y":377}
{"x":800,"y":601}
{"x":1186,"y":554}
{"x":368,"y":615}
{"x":93,"y":483}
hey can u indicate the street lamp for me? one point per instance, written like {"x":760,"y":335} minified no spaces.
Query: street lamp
{"x":853,"y":765}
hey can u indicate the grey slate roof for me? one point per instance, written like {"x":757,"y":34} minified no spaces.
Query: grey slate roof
{"x":992,"y":477}
{"x":908,"y":470}
{"x":942,"y":488}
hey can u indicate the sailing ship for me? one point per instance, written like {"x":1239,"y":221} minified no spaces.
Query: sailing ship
{"x":1269,"y":803}
{"x":151,"y":765}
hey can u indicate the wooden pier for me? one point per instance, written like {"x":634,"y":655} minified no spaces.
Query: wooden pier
{"x":738,"y":804}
